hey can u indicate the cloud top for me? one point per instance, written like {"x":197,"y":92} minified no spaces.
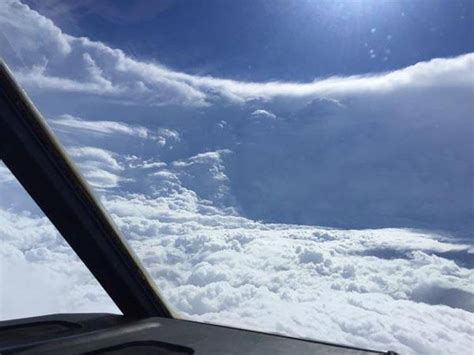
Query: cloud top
{"x":102,"y":70}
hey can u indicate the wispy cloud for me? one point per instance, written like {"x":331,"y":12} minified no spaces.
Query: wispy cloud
{"x":99,"y":127}
{"x":263,"y":113}
{"x":102,"y":70}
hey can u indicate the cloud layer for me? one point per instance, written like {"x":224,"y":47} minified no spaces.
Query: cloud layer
{"x":370,"y":288}
{"x":204,"y":186}
{"x":101,"y":70}
{"x":378,"y":150}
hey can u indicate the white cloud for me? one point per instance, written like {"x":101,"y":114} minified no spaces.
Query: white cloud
{"x":263,"y":114}
{"x":227,"y":269}
{"x":35,"y":30}
{"x":37,"y":268}
{"x":99,"y":166}
{"x":37,"y":77}
{"x":207,"y":157}
{"x":111,"y":72}
{"x":99,"y":157}
{"x":205,"y":174}
{"x":166,"y":136}
{"x":99,"y":127}
{"x":370,"y":288}
{"x":235,"y":271}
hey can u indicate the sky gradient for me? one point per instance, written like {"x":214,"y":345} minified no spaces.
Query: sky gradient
{"x":262,"y":40}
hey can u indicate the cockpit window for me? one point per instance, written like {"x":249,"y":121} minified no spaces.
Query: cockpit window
{"x":39,"y":272}
{"x":299,"y":167}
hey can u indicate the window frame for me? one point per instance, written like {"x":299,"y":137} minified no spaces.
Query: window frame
{"x":35,"y":157}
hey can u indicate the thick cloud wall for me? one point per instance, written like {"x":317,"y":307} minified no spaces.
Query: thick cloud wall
{"x":220,"y":187}
{"x":385,"y":288}
{"x":380,"y":150}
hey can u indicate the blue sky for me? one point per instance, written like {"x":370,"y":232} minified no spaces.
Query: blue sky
{"x":262,"y":40}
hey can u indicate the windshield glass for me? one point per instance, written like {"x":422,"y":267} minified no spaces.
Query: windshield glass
{"x":299,"y":167}
{"x":39,"y":272}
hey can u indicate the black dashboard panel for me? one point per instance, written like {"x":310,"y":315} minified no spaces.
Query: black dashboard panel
{"x":113,"y":334}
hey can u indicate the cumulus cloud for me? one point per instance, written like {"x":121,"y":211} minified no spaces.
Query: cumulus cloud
{"x":167,"y":136}
{"x":221,"y":268}
{"x":205,"y":174}
{"x":99,"y":166}
{"x":370,"y":288}
{"x":97,"y":157}
{"x":40,"y":273}
{"x":218,"y":268}
{"x":387,"y":288}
